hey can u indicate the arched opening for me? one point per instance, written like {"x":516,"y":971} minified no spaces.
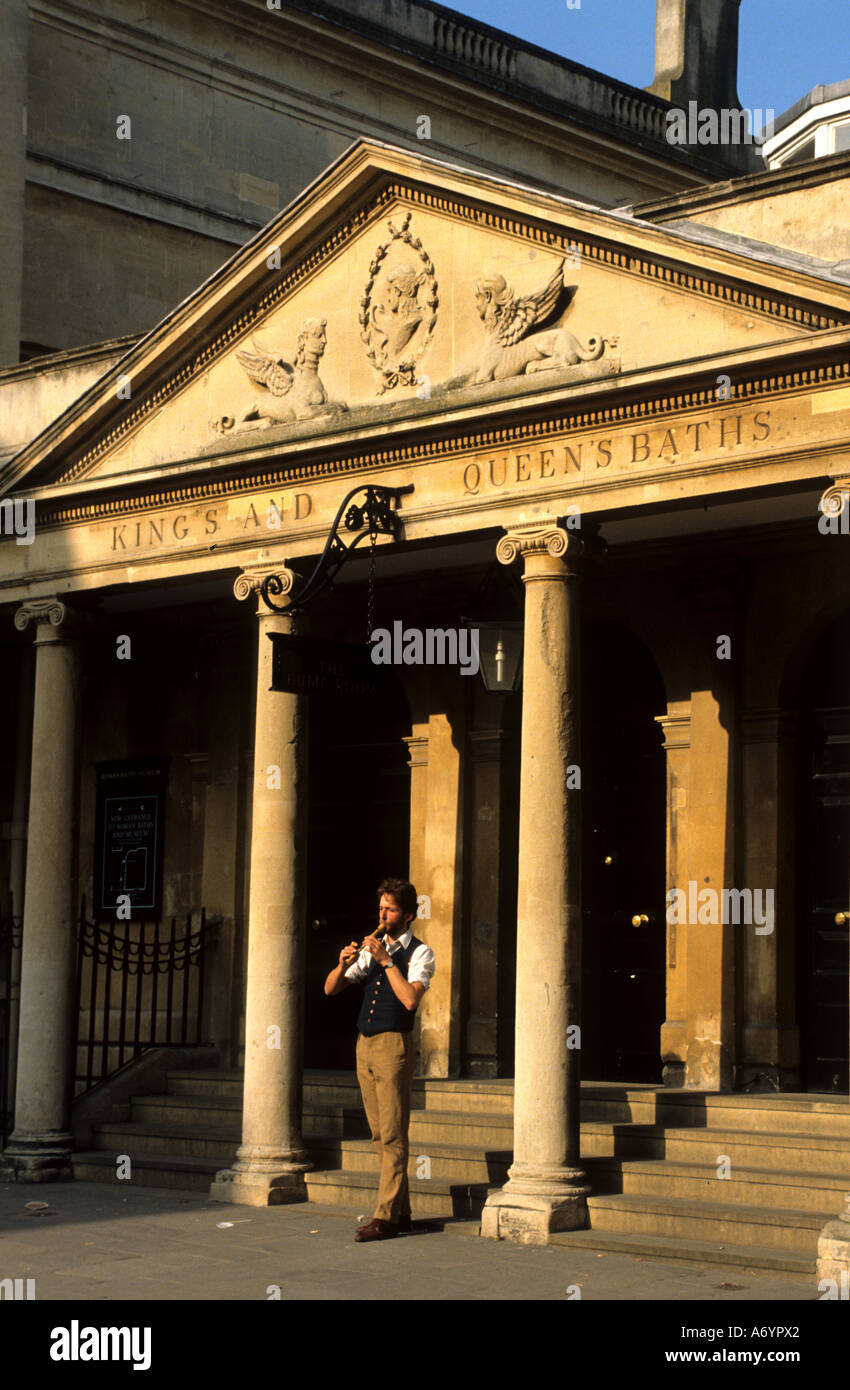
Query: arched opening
{"x":623,"y":779}
{"x":358,"y":833}
{"x":823,"y":860}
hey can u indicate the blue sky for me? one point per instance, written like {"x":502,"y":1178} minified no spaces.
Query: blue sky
{"x":787,"y":46}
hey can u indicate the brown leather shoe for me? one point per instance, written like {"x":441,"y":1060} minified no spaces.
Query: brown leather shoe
{"x":377,"y":1230}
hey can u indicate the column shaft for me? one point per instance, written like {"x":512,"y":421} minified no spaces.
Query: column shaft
{"x":40,"y":1146}
{"x":271,"y":1161}
{"x":545,"y":1191}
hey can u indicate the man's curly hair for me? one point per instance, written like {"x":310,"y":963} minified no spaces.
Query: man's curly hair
{"x":404,"y":893}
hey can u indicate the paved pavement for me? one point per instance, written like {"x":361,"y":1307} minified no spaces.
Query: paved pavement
{"x":104,"y":1242}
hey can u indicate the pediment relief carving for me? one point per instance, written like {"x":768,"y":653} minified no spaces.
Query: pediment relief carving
{"x":417,"y":298}
{"x":512,"y":347}
{"x":398,"y":312}
{"x":399,"y":320}
{"x":290,"y":391}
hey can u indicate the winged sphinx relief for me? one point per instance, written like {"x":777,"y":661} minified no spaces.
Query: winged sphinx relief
{"x":398,"y":317}
{"x":291,"y":391}
{"x":511,"y":348}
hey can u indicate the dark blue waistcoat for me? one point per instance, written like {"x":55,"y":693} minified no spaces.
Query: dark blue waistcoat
{"x":381,"y":1011}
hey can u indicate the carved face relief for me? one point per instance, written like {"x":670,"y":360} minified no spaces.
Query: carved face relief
{"x":312,"y":341}
{"x":398,"y":312}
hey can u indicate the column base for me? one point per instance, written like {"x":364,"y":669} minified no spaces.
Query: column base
{"x":530,"y":1211}
{"x":263,"y":1182}
{"x":834,"y":1258}
{"x":37,"y":1157}
{"x":753,"y":1078}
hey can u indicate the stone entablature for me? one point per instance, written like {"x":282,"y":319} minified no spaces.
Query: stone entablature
{"x":470,"y":482}
{"x":684,"y":374}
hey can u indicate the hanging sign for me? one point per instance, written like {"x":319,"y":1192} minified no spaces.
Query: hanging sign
{"x":317,"y":666}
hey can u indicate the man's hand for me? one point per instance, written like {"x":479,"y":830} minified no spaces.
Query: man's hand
{"x":336,"y":981}
{"x":376,"y":950}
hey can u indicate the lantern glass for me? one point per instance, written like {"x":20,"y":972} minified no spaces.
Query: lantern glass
{"x":500,"y":654}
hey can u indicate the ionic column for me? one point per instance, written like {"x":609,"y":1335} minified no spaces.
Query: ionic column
{"x":40,"y":1146}
{"x":271,"y":1162}
{"x":546,"y":1189}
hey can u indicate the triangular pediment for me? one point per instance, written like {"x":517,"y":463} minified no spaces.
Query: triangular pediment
{"x":397,"y":288}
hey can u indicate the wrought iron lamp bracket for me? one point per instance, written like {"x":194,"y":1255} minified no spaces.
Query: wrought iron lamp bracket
{"x":377,"y":513}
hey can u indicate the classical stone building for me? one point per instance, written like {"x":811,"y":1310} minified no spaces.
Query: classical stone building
{"x":618,"y":433}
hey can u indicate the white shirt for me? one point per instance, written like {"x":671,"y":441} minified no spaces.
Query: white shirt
{"x":420,"y":967}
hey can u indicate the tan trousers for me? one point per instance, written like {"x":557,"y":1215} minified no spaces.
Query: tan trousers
{"x":385,"y":1066}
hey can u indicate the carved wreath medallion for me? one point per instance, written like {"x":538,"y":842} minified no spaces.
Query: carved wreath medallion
{"x":398,"y":311}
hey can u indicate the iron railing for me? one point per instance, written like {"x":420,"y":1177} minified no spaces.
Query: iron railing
{"x":139,"y":985}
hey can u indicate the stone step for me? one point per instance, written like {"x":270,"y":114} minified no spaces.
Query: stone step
{"x":448,"y":1162}
{"x":819,"y":1194}
{"x":745,"y":1149}
{"x":786,"y":1113}
{"x":148,"y":1170}
{"x":455,"y":1127}
{"x":204,"y":1112}
{"x":180,"y":1141}
{"x":611,"y":1102}
{"x":219,"y":1112}
{"x":428,"y":1128}
{"x":744,"y":1257}
{"x":762,"y":1227}
{"x":226,"y":1084}
{"x":359,"y":1189}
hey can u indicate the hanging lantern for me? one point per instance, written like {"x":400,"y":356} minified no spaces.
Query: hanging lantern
{"x":500,"y":653}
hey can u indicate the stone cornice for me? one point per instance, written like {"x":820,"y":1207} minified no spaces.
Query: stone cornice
{"x":340,"y":459}
{"x":767,"y":183}
{"x":676,"y":725}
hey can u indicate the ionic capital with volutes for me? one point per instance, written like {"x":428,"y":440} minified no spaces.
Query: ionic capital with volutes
{"x":536,"y":538}
{"x":549,"y":538}
{"x":250,"y":582}
{"x":52,"y":620}
{"x":834,"y":500}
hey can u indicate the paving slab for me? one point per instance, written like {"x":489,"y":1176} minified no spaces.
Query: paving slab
{"x":100,"y":1241}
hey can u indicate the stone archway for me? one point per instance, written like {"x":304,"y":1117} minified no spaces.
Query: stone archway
{"x":823,"y":858}
{"x":623,"y":792}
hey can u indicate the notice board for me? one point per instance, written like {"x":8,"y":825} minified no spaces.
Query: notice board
{"x":129,"y":836}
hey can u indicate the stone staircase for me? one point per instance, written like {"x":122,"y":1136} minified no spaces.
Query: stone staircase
{"x":652,"y":1159}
